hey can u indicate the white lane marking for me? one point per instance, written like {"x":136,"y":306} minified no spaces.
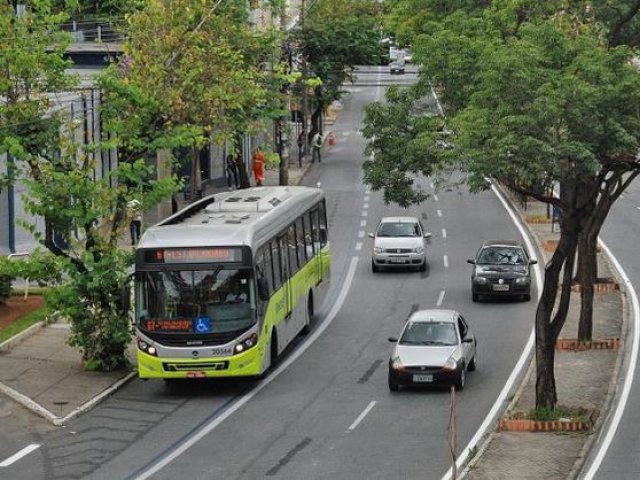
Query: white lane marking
{"x":628,"y":377}
{"x":435,"y":197}
{"x":363,"y":223}
{"x":446,"y":262}
{"x":361,"y":234}
{"x":263,"y":384}
{"x":367,"y":198}
{"x":431,"y":184}
{"x":22,"y":453}
{"x":439,"y":212}
{"x":365,"y":206}
{"x":361,"y":416}
{"x":638,"y":208}
{"x":522,"y":361}
{"x":358,"y":246}
{"x":444,"y":233}
{"x":440,"y":298}
{"x":364,"y":213}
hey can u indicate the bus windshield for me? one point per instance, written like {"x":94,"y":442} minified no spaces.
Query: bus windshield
{"x":223,"y":300}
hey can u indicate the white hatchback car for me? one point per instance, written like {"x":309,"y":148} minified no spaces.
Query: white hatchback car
{"x":436,"y":347}
{"x":399,"y":242}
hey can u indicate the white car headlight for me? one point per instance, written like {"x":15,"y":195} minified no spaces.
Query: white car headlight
{"x":522,"y":280}
{"x":450,"y":364}
{"x":419,"y":250}
{"x":396,"y":364}
{"x":480,"y":280}
{"x":378,"y":250}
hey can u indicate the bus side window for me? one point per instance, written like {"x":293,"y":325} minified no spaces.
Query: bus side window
{"x":323,"y":224}
{"x":308,"y":239}
{"x":275,"y":255}
{"x":315,"y":229}
{"x":293,"y":255}
{"x":302,"y":259}
{"x":268,"y":268}
{"x":261,"y":268}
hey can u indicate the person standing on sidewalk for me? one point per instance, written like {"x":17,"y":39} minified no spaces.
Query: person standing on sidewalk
{"x":135,"y":226}
{"x":232,"y":171}
{"x":316,"y":146}
{"x":259,"y":159}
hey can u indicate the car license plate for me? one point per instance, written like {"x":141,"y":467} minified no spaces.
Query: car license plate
{"x":501,"y":288}
{"x":397,"y":260}
{"x":423,"y":378}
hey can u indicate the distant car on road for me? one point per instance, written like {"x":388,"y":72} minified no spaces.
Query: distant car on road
{"x":436,"y":347}
{"x":396,"y":66}
{"x":501,"y":268}
{"x":399,"y":242}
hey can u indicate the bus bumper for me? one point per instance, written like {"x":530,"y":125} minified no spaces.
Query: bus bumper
{"x":245,"y":364}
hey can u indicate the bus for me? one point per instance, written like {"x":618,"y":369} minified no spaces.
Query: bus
{"x":223,"y":286}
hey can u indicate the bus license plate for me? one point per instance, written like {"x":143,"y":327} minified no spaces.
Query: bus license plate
{"x":196,"y":375}
{"x":423,"y":378}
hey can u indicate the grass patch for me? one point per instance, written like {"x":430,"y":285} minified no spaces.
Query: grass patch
{"x":23,"y":323}
{"x":573,"y":414}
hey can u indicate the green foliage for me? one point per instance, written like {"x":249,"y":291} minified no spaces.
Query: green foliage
{"x":5,"y":280}
{"x":545,"y":413}
{"x":336,"y":36}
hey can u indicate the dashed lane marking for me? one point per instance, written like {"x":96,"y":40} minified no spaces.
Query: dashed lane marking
{"x":358,"y":246}
{"x":435,"y":197}
{"x":361,"y":416}
{"x":363,"y":223}
{"x":444,"y":233}
{"x":440,"y":298}
{"x":17,"y":456}
{"x":439,"y":212}
{"x":361,"y":234}
{"x":366,"y":205}
{"x":446,"y":262}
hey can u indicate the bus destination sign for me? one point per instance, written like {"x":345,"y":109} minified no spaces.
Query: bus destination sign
{"x":179,"y":325}
{"x":193,"y":255}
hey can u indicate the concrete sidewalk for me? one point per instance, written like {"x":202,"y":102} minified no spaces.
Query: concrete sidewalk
{"x":44,"y":374}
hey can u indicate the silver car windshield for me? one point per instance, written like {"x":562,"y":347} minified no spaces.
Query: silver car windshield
{"x":225,"y":296}
{"x":501,"y":256}
{"x":399,"y":229}
{"x":429,"y":333}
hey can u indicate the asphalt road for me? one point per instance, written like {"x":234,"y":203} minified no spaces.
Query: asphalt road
{"x":329,"y":413}
{"x":620,"y":233}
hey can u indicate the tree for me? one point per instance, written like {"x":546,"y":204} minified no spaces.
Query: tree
{"x":336,"y":35}
{"x":205,"y":67}
{"x":536,"y":97}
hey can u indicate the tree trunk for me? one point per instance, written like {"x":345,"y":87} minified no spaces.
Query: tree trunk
{"x":587,"y":276}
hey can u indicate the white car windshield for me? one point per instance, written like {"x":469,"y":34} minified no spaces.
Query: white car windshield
{"x":398,"y":229}
{"x":429,"y":333}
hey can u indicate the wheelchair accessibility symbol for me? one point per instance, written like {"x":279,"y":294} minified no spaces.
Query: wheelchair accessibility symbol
{"x":202,"y":324}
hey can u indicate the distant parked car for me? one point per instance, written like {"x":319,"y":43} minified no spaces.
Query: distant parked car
{"x":399,"y":242}
{"x":501,"y":268}
{"x":436,"y":347}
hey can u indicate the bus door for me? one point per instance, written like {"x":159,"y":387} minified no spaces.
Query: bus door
{"x":283,"y":245}
{"x":315,"y":233}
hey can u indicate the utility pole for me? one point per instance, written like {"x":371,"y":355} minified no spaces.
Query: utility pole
{"x":305,"y":98}
{"x":282,"y":131}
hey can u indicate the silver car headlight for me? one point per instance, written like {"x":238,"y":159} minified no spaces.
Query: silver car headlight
{"x":378,"y":250}
{"x":450,"y":365}
{"x":418,"y":250}
{"x":481,"y":280}
{"x":522,"y":281}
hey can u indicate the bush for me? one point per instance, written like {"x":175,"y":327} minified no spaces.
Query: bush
{"x":6,"y":278}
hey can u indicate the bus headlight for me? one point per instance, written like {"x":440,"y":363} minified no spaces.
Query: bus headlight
{"x":146,"y":348}
{"x":246,"y":344}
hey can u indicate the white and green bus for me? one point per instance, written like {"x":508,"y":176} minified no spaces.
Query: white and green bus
{"x":223,"y":286}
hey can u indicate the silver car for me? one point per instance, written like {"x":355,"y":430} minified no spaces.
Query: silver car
{"x":399,"y":242}
{"x":436,"y":347}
